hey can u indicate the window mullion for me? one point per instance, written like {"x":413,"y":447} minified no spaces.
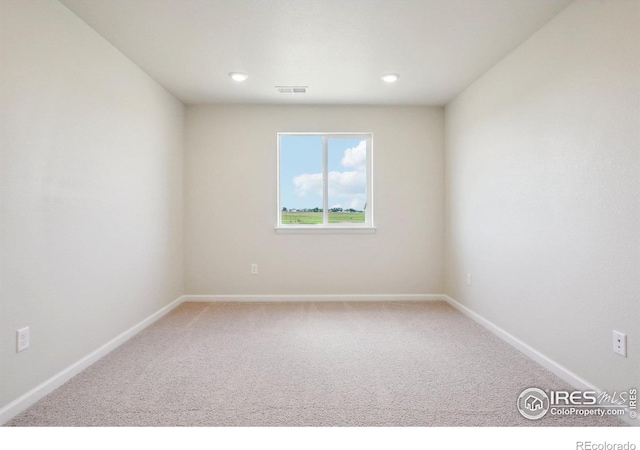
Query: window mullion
{"x":368,"y":213}
{"x":325,"y":181}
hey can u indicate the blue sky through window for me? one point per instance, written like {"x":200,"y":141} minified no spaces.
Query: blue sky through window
{"x":301,"y":181}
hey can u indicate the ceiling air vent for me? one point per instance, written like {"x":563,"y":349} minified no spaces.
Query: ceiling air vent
{"x":292,"y":89}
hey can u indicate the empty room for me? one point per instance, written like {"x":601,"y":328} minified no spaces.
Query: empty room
{"x":320,"y":213}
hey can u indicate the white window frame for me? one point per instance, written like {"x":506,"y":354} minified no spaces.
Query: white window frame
{"x":326,"y":227}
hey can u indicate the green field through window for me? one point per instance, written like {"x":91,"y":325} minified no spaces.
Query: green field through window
{"x":315,"y":218}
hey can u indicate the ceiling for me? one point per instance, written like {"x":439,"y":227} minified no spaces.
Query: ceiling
{"x":338,"y":48}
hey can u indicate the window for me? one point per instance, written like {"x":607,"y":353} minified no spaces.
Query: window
{"x":324,"y":181}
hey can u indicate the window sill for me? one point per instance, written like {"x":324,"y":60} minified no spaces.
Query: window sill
{"x":301,"y":229}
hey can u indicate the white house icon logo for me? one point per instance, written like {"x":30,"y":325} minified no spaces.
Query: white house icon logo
{"x":533,"y":403}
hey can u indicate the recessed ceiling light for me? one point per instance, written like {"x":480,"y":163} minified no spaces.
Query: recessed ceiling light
{"x":390,"y":77}
{"x":238,"y":76}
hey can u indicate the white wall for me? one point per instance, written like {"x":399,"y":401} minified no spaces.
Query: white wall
{"x":543,"y":191}
{"x":230,"y":206}
{"x":90,"y":188}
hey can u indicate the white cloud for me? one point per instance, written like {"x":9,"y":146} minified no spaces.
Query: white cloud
{"x":348,"y":187}
{"x":355,"y":157}
{"x":347,"y":183}
{"x":340,"y":183}
{"x":308,"y":182}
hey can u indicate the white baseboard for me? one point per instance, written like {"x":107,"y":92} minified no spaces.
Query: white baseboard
{"x":316,"y":298}
{"x":532,"y":353}
{"x":23,"y":402}
{"x":554,"y":367}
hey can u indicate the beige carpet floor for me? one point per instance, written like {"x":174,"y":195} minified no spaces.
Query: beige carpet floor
{"x":305,"y":364}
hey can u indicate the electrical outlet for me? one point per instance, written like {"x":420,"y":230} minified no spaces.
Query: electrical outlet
{"x":254,"y":269}
{"x":468,"y":279}
{"x":22,"y":339}
{"x":620,"y":343}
